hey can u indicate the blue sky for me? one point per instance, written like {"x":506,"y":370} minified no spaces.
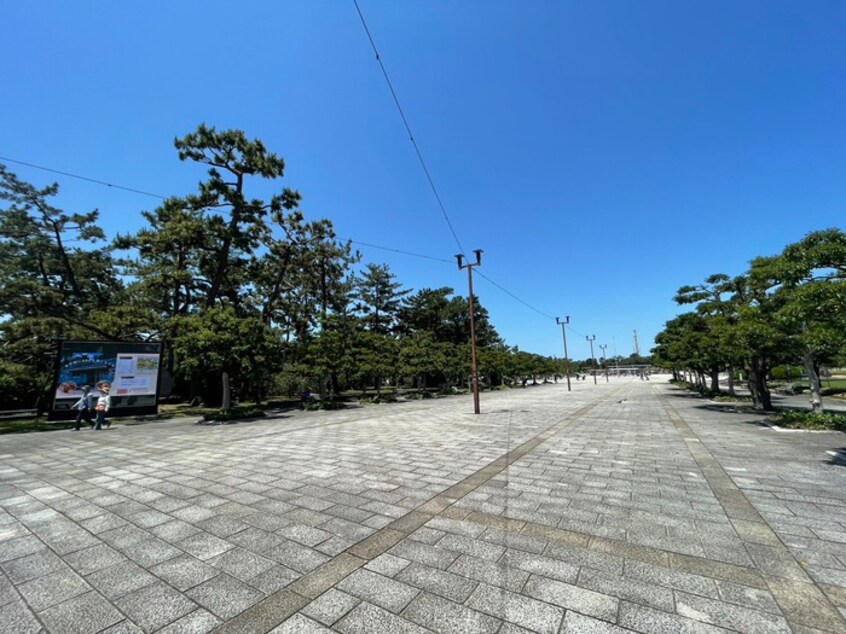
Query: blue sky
{"x":601,"y":153}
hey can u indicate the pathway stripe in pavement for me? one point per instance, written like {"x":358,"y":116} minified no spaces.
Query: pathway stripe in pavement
{"x":801,"y":600}
{"x":280,"y":606}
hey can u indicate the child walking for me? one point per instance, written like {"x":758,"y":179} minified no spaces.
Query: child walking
{"x":103,"y":404}
{"x":83,"y":408}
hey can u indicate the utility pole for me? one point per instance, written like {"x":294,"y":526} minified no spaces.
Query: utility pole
{"x":636,"y":347}
{"x":591,"y":339}
{"x":564,"y":336}
{"x":604,"y":347}
{"x":474,"y":372}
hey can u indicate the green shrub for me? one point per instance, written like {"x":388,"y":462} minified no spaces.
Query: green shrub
{"x":781,"y":372}
{"x":320,"y":405}
{"x":290,"y":383}
{"x":811,"y":420}
{"x":417,"y":396}
{"x":378,"y":399}
{"x":236,"y":413}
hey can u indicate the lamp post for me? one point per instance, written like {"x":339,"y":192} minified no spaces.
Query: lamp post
{"x":591,"y":339}
{"x":564,"y":336}
{"x":604,"y":347}
{"x":474,"y":372}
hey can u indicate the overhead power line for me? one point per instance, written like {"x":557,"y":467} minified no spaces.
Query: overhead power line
{"x":366,"y":244}
{"x":507,"y":292}
{"x":82,"y":178}
{"x":417,"y":255}
{"x":408,"y":127}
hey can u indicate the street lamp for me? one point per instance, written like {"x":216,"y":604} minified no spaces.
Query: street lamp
{"x":473,"y":368}
{"x":604,"y":347}
{"x":564,"y":336}
{"x":591,"y":339}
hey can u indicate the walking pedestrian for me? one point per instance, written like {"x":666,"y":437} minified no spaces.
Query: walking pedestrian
{"x":103,"y":404}
{"x":84,"y":407}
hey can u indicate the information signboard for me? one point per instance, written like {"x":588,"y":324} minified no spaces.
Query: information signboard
{"x":131,"y":371}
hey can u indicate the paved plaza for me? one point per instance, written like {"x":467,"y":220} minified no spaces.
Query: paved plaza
{"x":626,"y":506}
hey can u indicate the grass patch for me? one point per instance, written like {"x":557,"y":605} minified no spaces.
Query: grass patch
{"x":810,"y":420}
{"x":728,"y":398}
{"x":26,"y":425}
{"x":236,"y":413}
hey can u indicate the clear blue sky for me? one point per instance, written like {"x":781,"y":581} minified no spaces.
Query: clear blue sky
{"x":601,"y":153}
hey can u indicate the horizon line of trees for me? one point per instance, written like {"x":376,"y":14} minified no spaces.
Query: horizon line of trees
{"x":244,"y":293}
{"x":786,"y":309}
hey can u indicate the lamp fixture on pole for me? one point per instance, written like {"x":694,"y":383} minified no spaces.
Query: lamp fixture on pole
{"x":474,"y":372}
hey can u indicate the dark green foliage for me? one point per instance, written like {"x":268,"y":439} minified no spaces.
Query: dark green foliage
{"x":248,"y":296}
{"x":324,"y":405}
{"x":811,"y":420}
{"x":234,"y":413}
{"x":378,"y":399}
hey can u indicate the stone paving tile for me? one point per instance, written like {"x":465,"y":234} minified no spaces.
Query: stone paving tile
{"x":32,"y":566}
{"x":367,"y":618}
{"x":124,"y":627}
{"x":52,"y":589}
{"x":387,"y":565}
{"x":240,"y":563}
{"x":424,"y":554}
{"x":299,"y":624}
{"x":729,"y":615}
{"x":204,"y":545}
{"x":498,"y":575}
{"x":747,"y":597}
{"x":436,"y":581}
{"x":538,"y":564}
{"x":154,"y":606}
{"x":16,"y":617}
{"x":273,"y":579}
{"x":572,"y":597}
{"x":687,"y":582}
{"x":439,"y":614}
{"x":225,"y":596}
{"x":627,"y":588}
{"x":184,"y":572}
{"x":521,"y":610}
{"x":19,"y":547}
{"x":197,"y":622}
{"x":575,"y":623}
{"x":330,"y":606}
{"x":385,"y":592}
{"x":120,"y":579}
{"x":621,"y":482}
{"x":173,"y":531}
{"x":85,"y":614}
{"x":151,"y":552}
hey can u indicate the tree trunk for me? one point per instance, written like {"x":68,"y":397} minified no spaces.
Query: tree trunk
{"x":756,"y":371}
{"x":715,"y":379}
{"x":226,"y":403}
{"x":731,"y":380}
{"x":813,"y":380}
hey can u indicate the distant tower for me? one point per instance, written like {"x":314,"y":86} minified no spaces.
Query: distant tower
{"x":636,"y":347}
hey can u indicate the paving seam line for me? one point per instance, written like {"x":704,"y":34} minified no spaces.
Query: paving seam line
{"x":801,"y":600}
{"x":283,"y":604}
